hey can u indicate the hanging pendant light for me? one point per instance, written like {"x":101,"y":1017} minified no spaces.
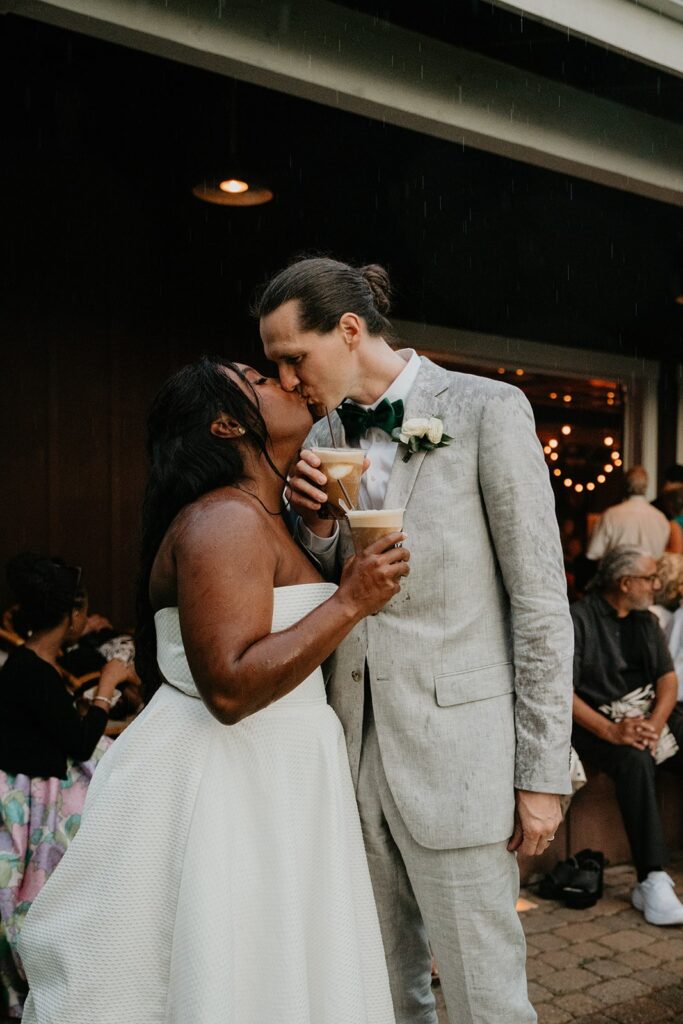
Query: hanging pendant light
{"x":232,"y":191}
{"x":235,"y":184}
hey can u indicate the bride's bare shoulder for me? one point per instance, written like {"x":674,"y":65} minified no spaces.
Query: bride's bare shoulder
{"x":222,"y":516}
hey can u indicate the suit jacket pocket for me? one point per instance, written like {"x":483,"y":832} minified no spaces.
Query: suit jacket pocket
{"x":475,"y":684}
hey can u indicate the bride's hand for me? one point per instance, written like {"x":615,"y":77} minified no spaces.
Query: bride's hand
{"x":372,"y":578}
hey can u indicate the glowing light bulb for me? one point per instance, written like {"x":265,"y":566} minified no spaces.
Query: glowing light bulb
{"x":568,"y":482}
{"x":554,"y":456}
{"x":601,"y":478}
{"x":553,"y":395}
{"x":609,"y":441}
{"x":566,"y":398}
{"x":233,"y":185}
{"x":608,"y":469}
{"x":557,"y":472}
{"x":501,"y":369}
{"x":610,"y":394}
{"x":547,"y":449}
{"x":618,"y":462}
{"x":520,"y":373}
{"x":615,"y":455}
{"x":566,"y":430}
{"x":553,"y":442}
{"x":578,"y":488}
{"x":590,"y":486}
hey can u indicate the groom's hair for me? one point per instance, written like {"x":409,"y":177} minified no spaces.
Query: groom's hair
{"x":326,"y":289}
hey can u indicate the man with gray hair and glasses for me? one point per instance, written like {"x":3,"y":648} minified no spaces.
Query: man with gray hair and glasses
{"x":626,"y":721}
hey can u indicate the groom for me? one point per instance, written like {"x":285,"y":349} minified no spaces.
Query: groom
{"x":456,"y":698}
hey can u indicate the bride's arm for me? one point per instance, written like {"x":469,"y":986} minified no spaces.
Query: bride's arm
{"x":226,"y":566}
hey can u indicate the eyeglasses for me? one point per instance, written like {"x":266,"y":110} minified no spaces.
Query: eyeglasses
{"x":653,"y":580}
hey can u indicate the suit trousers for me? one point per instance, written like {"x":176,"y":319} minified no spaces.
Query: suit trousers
{"x":634,"y":772}
{"x":459,"y":902}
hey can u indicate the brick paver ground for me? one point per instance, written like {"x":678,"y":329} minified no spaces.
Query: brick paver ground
{"x":604,"y":965}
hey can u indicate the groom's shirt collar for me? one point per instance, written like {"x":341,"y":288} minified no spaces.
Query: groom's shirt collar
{"x":403,"y":384}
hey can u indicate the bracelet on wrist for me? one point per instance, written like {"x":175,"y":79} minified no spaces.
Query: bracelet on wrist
{"x":105,"y":700}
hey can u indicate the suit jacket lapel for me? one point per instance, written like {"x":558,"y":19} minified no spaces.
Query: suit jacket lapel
{"x":430,"y":386}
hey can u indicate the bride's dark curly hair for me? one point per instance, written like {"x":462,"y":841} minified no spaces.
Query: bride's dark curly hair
{"x":185,"y":461}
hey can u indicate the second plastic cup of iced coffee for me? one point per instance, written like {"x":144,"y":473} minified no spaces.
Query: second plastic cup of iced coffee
{"x":340,"y":466}
{"x":369,"y":525}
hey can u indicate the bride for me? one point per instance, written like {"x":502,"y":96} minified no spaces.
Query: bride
{"x":219,"y":874}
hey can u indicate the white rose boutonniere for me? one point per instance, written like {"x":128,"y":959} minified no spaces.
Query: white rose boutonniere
{"x":424,"y":433}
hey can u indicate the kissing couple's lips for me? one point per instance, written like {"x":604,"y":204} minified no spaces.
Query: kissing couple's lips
{"x":317,"y":409}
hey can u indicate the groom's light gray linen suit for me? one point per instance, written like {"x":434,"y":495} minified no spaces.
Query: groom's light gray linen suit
{"x":469,"y":677}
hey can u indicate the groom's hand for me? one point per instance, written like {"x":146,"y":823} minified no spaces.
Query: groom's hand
{"x":537,"y":818}
{"x":306,"y":492}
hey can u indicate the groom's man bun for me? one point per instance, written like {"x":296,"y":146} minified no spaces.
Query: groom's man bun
{"x":326,"y":289}
{"x":380,"y":286}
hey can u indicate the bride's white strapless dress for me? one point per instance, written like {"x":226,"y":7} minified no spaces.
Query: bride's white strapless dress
{"x":219,"y":875}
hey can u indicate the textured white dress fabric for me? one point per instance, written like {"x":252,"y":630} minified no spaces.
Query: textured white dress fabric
{"x":219,"y":875}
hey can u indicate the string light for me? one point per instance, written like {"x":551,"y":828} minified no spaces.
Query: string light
{"x":609,"y":441}
{"x":501,"y":369}
{"x":553,"y":442}
{"x":590,"y":486}
{"x":566,"y":430}
{"x":557,"y":472}
{"x":618,"y":462}
{"x":578,"y":488}
{"x":568,"y":482}
{"x":547,"y":449}
{"x":553,"y":395}
{"x":520,"y":373}
{"x":609,"y":468}
{"x":616,"y":455}
{"x":601,"y":478}
{"x":567,"y":398}
{"x":554,"y":456}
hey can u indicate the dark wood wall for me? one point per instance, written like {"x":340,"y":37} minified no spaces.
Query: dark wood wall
{"x":73,"y":465}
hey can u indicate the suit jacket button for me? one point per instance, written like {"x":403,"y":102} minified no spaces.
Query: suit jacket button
{"x":356,"y":676}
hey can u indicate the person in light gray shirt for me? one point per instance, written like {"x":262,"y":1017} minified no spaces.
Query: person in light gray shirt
{"x":632,"y":523}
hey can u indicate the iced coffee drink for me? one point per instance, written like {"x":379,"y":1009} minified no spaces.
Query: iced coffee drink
{"x":369,"y":525}
{"x":340,"y":466}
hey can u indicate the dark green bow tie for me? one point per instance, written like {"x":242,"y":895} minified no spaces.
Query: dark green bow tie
{"x":357,"y":421}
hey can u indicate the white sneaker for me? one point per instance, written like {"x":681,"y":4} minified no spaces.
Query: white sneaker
{"x":657,"y":900}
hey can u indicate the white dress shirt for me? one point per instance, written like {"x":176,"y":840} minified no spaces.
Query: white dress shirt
{"x":379,"y":449}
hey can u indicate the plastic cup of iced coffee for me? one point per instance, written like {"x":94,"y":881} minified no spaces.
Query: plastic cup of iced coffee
{"x":370,"y":525}
{"x":340,"y":466}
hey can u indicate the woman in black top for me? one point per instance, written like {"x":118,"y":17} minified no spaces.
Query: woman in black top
{"x":48,"y":751}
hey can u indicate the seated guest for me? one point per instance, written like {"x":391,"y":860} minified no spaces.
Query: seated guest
{"x":633,"y":522}
{"x":669,"y":610}
{"x":48,"y":751}
{"x":625,"y":716}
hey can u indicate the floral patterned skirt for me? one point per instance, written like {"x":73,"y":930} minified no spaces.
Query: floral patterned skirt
{"x":38,"y":820}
